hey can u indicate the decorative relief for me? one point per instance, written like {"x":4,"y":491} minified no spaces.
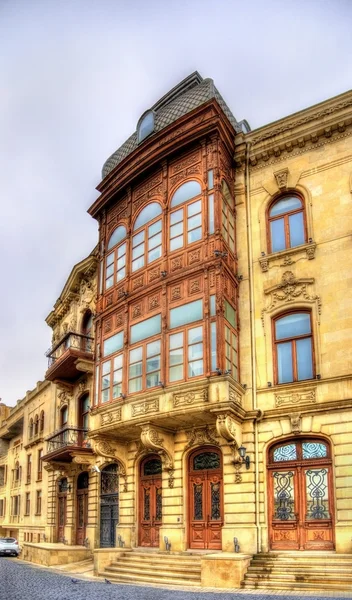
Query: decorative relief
{"x":137,"y":283}
{"x":200,"y":436}
{"x":111,"y":417}
{"x":109,"y":300}
{"x":211,"y":279}
{"x":161,"y":443}
{"x":281,"y":178}
{"x":307,"y":396}
{"x":296,"y":423}
{"x":153,"y":301}
{"x":119,"y":319}
{"x":289,"y":290}
{"x":194,"y":256}
{"x":176,"y":263}
{"x":190,"y":397}
{"x":228,"y":428}
{"x":284,"y":257}
{"x":64,"y":396}
{"x":136,"y":310}
{"x":185,"y":162}
{"x":145,"y":407}
{"x":176,"y":293}
{"x":147,"y":185}
{"x":235,"y":396}
{"x":194,"y":286}
{"x":154,"y":274}
{"x":108,"y":326}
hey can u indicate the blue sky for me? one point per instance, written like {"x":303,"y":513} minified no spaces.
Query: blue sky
{"x":76,"y":75}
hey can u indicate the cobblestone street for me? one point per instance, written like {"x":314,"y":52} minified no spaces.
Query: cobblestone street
{"x":19,"y":580}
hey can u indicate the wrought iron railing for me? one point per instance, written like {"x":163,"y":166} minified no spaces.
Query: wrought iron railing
{"x":68,"y":436}
{"x":76,"y":341}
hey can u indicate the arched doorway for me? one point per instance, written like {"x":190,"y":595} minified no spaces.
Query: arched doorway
{"x":109,"y":505}
{"x":150,"y":501}
{"x":205,"y":494}
{"x":82,"y":507}
{"x":300,"y":495}
{"x":61,"y":508}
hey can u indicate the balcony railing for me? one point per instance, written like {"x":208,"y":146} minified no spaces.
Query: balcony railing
{"x":68,"y":357}
{"x":76,"y":341}
{"x":66,"y":438}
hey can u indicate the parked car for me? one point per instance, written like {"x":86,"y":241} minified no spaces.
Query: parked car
{"x":9,"y":546}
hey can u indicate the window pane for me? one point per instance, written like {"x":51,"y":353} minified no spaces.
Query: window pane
{"x":226,"y":193}
{"x":285,"y":205}
{"x":195,"y":368}
{"x":121,"y":262}
{"x":292,"y":326}
{"x":284,"y":362}
{"x":118,"y":362}
{"x":286,"y":452}
{"x":314,"y":450}
{"x":193,"y":311}
{"x":110,"y":259}
{"x":277,"y":232}
{"x":145,"y":329}
{"x":117,"y":235}
{"x":146,"y":126}
{"x":176,"y":243}
{"x":153,"y":348}
{"x":121,"y":251}
{"x":212,"y":306}
{"x":296,"y":229}
{"x":194,"y":222}
{"x":153,"y":364}
{"x":109,"y":270}
{"x":138,"y":251}
{"x":137,"y":239}
{"x":213,"y":346}
{"x":210,"y":179}
{"x":176,"y":216}
{"x":304,"y":359}
{"x":194,"y":209}
{"x":194,"y":235}
{"x":109,"y":282}
{"x":195,"y":335}
{"x":176,"y":373}
{"x":113,"y":343}
{"x":148,"y":213}
{"x":135,"y":370}
{"x":154,"y":254}
{"x":155,"y":228}
{"x":211,"y":213}
{"x":185,"y":192}
{"x":317,"y":499}
{"x":154,"y":241}
{"x":230,"y":314}
{"x":176,"y":356}
{"x":176,"y":229}
{"x":176,"y":340}
{"x":138,"y":263}
{"x":195,"y":351}
{"x":135,"y":385}
{"x":153,"y":379}
{"x":136,"y":354}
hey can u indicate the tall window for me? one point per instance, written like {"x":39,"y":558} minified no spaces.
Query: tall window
{"x":293,"y":347}
{"x":36,"y":425}
{"x":286,"y":223}
{"x":64,"y":416}
{"x":115,"y":266}
{"x":186,"y":220}
{"x":144,"y":355}
{"x":29,"y":468}
{"x":231,"y":340}
{"x":186,"y":343}
{"x":40,"y":465}
{"x":111,"y":370}
{"x":41,"y":424}
{"x":28,"y":503}
{"x":228,"y":219}
{"x":38,"y":510}
{"x":17,"y":472}
{"x":31,"y":428}
{"x":147,"y":236}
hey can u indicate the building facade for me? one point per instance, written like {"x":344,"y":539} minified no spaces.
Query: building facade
{"x":200,"y":372}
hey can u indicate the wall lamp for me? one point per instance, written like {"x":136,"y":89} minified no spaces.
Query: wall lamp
{"x":245,"y":459}
{"x":218,"y":253}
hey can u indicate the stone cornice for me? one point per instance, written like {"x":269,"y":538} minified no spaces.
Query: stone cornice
{"x":306,"y":130}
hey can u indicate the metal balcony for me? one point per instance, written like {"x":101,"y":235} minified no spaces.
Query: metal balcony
{"x":69,"y":357}
{"x":65,"y":443}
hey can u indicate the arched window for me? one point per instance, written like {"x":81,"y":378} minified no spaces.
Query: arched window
{"x":36,"y":425}
{"x":145,"y":125}
{"x":286,"y":223}
{"x":31,"y":428}
{"x":228,"y":218}
{"x":146,"y":240}
{"x":41,"y":426}
{"x":115,"y":265}
{"x":293,"y":347}
{"x":186,"y":222}
{"x":63,"y":416}
{"x":17,"y":471}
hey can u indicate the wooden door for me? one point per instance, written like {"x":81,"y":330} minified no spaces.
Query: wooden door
{"x":300,"y":496}
{"x":205,"y":499}
{"x":61,"y":509}
{"x":150,"y":502}
{"x":81,"y":508}
{"x":109,"y":506}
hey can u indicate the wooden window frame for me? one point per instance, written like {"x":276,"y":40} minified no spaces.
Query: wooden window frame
{"x":114,"y":252}
{"x":286,"y":216}
{"x":185,"y":231}
{"x":184,"y":330}
{"x":111,"y":384}
{"x":145,"y":243}
{"x":38,"y":502}
{"x":29,"y":468}
{"x":28,"y":505}
{"x":143,"y":344}
{"x":233,"y":352}
{"x":40,"y":465}
{"x":41,"y":422}
{"x":293,"y":345}
{"x":36,"y":425}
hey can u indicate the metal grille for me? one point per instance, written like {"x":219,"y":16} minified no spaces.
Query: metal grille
{"x":206,"y":460}
{"x":284,"y":496}
{"x":314,"y":450}
{"x":152,"y":467}
{"x":317,"y":494}
{"x":215,"y":501}
{"x":146,"y":508}
{"x":287,"y":452}
{"x":198,"y":501}
{"x":159,"y":510}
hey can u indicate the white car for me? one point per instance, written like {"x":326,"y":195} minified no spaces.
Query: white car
{"x":9,"y":547}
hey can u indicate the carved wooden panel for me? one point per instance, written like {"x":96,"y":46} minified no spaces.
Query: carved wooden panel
{"x":149,"y":188}
{"x":137,"y":282}
{"x":176,"y":292}
{"x":154,"y":274}
{"x":195,"y":285}
{"x":137,"y":310}
{"x":176,"y":263}
{"x":194,"y":256}
{"x":185,"y":167}
{"x":153,"y":301}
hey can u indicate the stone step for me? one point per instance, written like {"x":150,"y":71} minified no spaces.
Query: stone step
{"x":295,"y":586}
{"x":136,"y":564}
{"x":178,"y":573}
{"x":318,"y":570}
{"x":133,"y":579}
{"x":317,"y":577}
{"x":162,"y":556}
{"x":156,"y":561}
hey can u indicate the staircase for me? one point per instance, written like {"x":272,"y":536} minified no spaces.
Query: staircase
{"x":300,"y":571}
{"x":155,"y":568}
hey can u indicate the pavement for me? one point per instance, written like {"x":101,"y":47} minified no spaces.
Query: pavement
{"x":20,"y":580}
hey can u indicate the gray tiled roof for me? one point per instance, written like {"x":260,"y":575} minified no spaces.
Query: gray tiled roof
{"x":198,"y":91}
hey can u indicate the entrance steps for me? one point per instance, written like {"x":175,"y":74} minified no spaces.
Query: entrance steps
{"x":306,"y":571}
{"x":138,"y":566}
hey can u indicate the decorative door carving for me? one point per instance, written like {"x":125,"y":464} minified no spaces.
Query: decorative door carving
{"x":109,"y":506}
{"x":300,"y":496}
{"x":82,"y":508}
{"x":61,"y":509}
{"x":150,"y":501}
{"x":205,"y":499}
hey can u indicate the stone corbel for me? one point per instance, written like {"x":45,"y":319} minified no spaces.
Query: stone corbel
{"x":228,"y":428}
{"x":107,"y":449}
{"x":162,"y":443}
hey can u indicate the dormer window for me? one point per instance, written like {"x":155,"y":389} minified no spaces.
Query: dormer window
{"x":145,"y":126}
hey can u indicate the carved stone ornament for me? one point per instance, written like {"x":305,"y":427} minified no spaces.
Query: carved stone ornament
{"x":284,"y":258}
{"x":229,"y":429}
{"x":113,"y":416}
{"x":145,"y":407}
{"x":307,"y":396}
{"x":235,"y":396}
{"x":203,"y":435}
{"x":281,"y":179}
{"x":82,"y":386}
{"x":108,"y":449}
{"x":289,"y":290}
{"x":295,"y":422}
{"x":64,"y":397}
{"x":188,"y":398}
{"x":162,"y":443}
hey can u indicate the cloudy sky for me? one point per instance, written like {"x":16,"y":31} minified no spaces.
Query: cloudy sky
{"x":76,"y":75}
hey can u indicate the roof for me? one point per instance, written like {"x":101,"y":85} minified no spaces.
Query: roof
{"x":189,"y":94}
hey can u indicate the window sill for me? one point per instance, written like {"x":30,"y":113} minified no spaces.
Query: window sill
{"x":284,"y":257}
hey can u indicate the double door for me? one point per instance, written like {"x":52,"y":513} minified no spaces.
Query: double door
{"x":150,"y":502}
